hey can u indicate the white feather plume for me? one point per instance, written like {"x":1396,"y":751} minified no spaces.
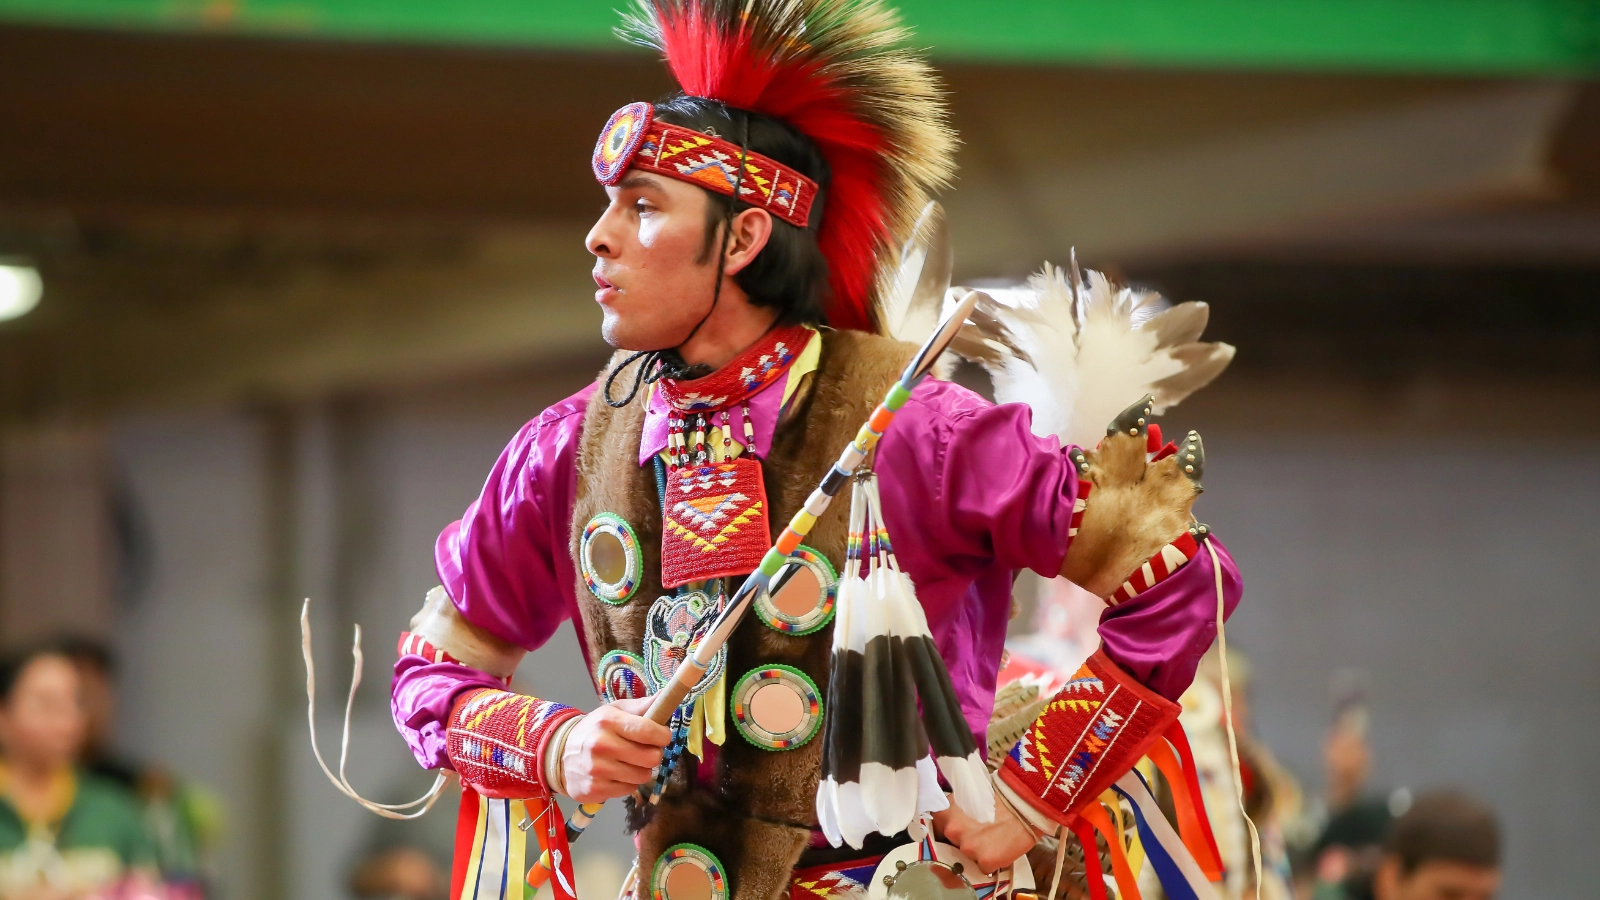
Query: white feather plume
{"x":1080,"y":353}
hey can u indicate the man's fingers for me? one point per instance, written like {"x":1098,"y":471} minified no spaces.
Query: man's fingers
{"x":601,"y":791}
{"x":617,"y":770}
{"x":637,"y":706}
{"x":634,"y":726}
{"x":614,"y":746}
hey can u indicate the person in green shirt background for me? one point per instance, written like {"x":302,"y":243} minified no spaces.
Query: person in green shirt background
{"x":64,"y":834}
{"x":183,"y":819}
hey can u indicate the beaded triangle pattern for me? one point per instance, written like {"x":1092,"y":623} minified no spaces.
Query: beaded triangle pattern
{"x":716,"y":522}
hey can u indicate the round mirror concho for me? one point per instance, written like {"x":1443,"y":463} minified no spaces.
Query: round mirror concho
{"x":777,"y":707}
{"x":689,"y":872}
{"x":667,"y":632}
{"x":937,"y":871}
{"x":622,"y":676}
{"x":807,"y":593}
{"x":609,"y":559}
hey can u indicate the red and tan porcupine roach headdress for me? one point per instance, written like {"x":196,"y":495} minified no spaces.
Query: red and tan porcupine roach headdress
{"x":831,"y":69}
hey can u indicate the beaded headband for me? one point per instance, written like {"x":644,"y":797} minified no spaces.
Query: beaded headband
{"x":633,"y":138}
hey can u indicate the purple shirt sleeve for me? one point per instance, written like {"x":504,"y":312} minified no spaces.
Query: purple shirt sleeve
{"x":1159,"y":636}
{"x":971,"y":496}
{"x":506,"y":567}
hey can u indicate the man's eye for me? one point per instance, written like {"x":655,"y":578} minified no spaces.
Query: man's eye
{"x":643,"y":207}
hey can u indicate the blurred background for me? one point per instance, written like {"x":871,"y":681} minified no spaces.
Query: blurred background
{"x":307,"y":265}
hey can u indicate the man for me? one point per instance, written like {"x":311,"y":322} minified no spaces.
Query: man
{"x":1446,"y":847}
{"x":744,"y":215}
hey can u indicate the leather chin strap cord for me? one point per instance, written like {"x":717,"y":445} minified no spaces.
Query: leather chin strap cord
{"x":655,"y":365}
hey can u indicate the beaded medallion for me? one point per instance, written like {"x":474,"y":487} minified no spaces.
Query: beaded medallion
{"x":777,"y":707}
{"x":622,"y":676}
{"x":609,"y":559}
{"x":669,"y":638}
{"x":806,"y":599}
{"x":689,"y":872}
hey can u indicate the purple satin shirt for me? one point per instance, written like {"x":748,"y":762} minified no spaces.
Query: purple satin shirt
{"x":970,"y":495}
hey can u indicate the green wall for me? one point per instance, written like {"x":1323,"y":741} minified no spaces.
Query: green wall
{"x":1444,"y":36}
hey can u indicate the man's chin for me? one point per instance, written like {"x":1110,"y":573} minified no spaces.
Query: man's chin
{"x":616,"y":332}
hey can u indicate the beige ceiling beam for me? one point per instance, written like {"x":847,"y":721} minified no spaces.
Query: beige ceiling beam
{"x":1254,"y":183}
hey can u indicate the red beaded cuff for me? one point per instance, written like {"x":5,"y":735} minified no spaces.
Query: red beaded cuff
{"x":1156,"y":569}
{"x":497,"y":738}
{"x":1090,"y":734}
{"x":414,"y":645}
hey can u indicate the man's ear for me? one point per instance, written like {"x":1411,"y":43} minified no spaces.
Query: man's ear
{"x":752,"y":228}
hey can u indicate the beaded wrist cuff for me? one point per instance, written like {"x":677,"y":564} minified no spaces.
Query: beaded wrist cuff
{"x":497,"y":741}
{"x":1089,"y":735}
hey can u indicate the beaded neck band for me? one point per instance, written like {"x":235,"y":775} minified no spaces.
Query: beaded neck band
{"x":633,"y":138}
{"x":761,"y":364}
{"x":696,"y":402}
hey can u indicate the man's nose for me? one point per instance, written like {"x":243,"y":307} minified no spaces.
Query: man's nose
{"x":599,"y":240}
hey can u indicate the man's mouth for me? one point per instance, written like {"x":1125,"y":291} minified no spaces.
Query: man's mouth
{"x":605,"y":288}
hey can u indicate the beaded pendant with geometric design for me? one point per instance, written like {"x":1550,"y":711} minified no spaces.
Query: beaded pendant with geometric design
{"x":715,"y":522}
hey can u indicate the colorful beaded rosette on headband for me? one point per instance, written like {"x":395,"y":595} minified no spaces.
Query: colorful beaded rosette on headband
{"x":873,"y":110}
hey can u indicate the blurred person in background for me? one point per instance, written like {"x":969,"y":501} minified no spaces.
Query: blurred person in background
{"x":1446,"y":847}
{"x":183,"y":820}
{"x":1271,"y":796}
{"x":64,"y":834}
{"x":406,"y":860}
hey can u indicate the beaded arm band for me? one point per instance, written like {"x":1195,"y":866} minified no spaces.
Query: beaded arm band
{"x":497,"y":742}
{"x":1089,"y":735}
{"x":1101,"y":722}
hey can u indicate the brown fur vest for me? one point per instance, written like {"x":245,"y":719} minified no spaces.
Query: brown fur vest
{"x":758,"y":816}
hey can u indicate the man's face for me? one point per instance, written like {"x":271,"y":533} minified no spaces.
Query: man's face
{"x":43,"y":721}
{"x":655,"y":280}
{"x":1437,"y":880}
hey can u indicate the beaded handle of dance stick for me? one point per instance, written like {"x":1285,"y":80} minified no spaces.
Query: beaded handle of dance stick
{"x":693,"y":667}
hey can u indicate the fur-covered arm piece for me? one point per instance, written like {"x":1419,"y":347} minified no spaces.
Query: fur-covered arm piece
{"x":1136,"y":545}
{"x":1136,"y":506}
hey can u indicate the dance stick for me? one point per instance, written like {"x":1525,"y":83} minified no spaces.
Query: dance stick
{"x":694,"y":667}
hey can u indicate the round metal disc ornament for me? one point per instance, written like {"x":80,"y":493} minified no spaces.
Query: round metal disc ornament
{"x":622,"y":676}
{"x":937,"y":871}
{"x":807,"y":592}
{"x":609,"y":559}
{"x":668,"y":639}
{"x":689,"y":872}
{"x":777,"y":707}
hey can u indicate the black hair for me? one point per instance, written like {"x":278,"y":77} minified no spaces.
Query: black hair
{"x":14,"y":662}
{"x":790,"y":273}
{"x":1446,"y":826}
